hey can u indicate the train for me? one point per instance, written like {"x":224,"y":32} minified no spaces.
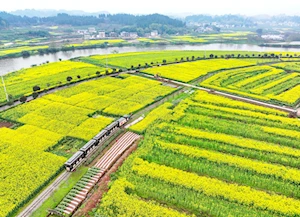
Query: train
{"x":94,"y":143}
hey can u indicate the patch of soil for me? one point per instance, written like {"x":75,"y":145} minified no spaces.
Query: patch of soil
{"x":102,"y":186}
{"x":6,"y":124}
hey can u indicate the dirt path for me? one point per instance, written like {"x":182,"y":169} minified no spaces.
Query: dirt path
{"x":95,"y":197}
{"x":6,"y":124}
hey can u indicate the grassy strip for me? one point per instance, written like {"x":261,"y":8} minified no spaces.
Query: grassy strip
{"x":60,"y":193}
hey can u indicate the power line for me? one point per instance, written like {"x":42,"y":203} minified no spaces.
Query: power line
{"x":4,"y":87}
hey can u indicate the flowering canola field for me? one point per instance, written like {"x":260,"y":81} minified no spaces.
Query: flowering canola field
{"x":80,"y":111}
{"x":191,"y":70}
{"x":211,"y":156}
{"x":45,"y":76}
{"x":260,"y":82}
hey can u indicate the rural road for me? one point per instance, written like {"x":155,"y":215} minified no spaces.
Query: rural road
{"x":38,"y":201}
{"x":29,"y":98}
{"x":252,"y":101}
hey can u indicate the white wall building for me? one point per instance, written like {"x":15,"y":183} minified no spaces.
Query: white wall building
{"x":101,"y":35}
{"x":154,"y":33}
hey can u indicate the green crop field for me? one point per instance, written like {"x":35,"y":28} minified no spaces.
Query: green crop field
{"x":211,"y":156}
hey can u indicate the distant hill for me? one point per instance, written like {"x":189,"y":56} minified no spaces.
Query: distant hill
{"x":3,"y":23}
{"x":126,"y":20}
{"x":52,"y":13}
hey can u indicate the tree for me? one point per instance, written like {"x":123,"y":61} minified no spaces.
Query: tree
{"x":211,"y":56}
{"x":164,"y":61}
{"x":10,"y":99}
{"x":36,"y":88}
{"x":23,"y":99}
{"x":35,"y":95}
{"x":98,"y":73}
{"x":259,"y":32}
{"x":78,"y":76}
{"x":25,"y":53}
{"x":69,"y":78}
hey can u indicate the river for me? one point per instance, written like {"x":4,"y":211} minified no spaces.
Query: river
{"x":14,"y":64}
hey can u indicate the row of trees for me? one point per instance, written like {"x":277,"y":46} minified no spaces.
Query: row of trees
{"x":142,"y":21}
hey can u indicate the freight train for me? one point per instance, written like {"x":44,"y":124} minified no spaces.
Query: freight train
{"x":80,"y":155}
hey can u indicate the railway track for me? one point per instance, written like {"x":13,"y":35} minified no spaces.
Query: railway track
{"x":244,"y":99}
{"x":69,"y":205}
{"x":37,"y":202}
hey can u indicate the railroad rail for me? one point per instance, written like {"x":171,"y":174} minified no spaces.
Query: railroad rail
{"x":37,"y":202}
{"x":240,"y":98}
{"x":80,"y":191}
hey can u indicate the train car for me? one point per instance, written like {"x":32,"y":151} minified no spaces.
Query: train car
{"x":74,"y":161}
{"x":88,"y":147}
{"x":112,"y":127}
{"x":127,"y":117}
{"x":122,"y":121}
{"x":101,"y":136}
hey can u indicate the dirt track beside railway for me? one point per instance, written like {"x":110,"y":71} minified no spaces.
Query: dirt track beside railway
{"x":102,"y":187}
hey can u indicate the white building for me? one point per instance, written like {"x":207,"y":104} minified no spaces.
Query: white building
{"x":273,"y":37}
{"x":133,"y":35}
{"x":92,"y":30}
{"x":154,"y":33}
{"x":101,"y":35}
{"x":125,"y":35}
{"x":82,"y":32}
{"x":87,"y":37}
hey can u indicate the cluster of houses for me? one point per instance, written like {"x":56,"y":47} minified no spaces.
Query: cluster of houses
{"x":92,"y":33}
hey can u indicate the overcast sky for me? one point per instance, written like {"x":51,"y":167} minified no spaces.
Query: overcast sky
{"x":250,"y":7}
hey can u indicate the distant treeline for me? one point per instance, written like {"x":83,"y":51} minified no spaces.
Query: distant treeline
{"x":142,"y":21}
{"x":240,"y":20}
{"x":224,"y":19}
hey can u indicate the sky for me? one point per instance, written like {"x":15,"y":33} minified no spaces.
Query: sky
{"x":252,"y":7}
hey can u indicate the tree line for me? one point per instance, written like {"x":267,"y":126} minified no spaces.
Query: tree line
{"x":142,"y":21}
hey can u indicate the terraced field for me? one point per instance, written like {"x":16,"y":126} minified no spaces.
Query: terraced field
{"x":260,"y":82}
{"x":291,"y":66}
{"x":78,"y":112}
{"x":211,"y":156}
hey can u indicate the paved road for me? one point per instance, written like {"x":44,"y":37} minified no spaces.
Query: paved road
{"x":29,"y":98}
{"x":44,"y":195}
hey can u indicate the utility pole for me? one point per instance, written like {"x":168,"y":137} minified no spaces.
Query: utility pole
{"x":106,"y":61}
{"x":4,"y":87}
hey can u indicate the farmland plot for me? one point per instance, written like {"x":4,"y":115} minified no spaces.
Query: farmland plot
{"x":260,"y":82}
{"x":211,"y":156}
{"x":78,"y":112}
